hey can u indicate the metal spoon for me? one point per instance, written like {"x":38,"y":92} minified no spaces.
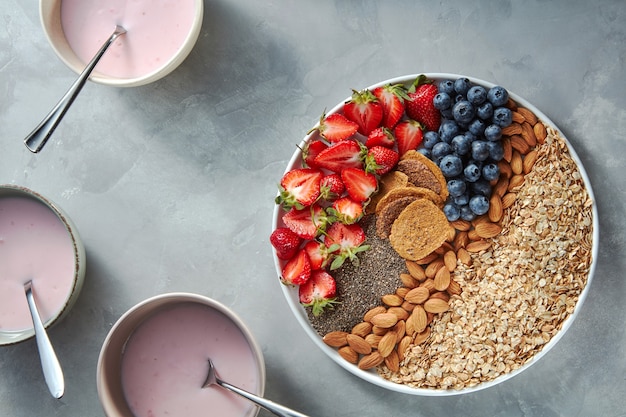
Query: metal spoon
{"x":36,"y":140}
{"x":50,"y":364}
{"x":277,"y":409}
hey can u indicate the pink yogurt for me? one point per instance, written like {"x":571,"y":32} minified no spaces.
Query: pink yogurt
{"x":165,"y":364}
{"x":156,"y":30}
{"x":34,"y":244}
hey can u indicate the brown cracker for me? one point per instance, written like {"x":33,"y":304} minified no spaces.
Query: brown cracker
{"x":423,"y":172}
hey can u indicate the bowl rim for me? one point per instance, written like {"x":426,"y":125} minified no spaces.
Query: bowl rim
{"x":12,"y":338}
{"x":371,"y":376}
{"x":144,"y":310}
{"x":53,"y":31}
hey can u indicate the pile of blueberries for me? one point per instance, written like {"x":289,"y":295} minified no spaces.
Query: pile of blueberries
{"x":468,"y":145}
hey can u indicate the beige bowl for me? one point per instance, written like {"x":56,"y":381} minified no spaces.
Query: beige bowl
{"x":50,"y":15}
{"x":109,"y":369}
{"x":12,"y":337}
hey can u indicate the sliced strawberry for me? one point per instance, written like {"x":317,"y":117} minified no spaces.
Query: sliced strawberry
{"x":335,"y":127}
{"x":308,"y":222}
{"x":420,"y":105}
{"x":319,"y":292}
{"x":331,"y":187}
{"x":364,"y":109}
{"x":381,"y":160}
{"x":380,"y":137}
{"x":409,"y":135}
{"x":299,"y":188}
{"x":360,"y":185}
{"x":297,"y":270}
{"x":285,"y":242}
{"x":346,"y":210}
{"x":346,"y":241}
{"x":391,"y":97}
{"x":344,"y":154}
{"x":318,"y":254}
{"x":310,"y":151}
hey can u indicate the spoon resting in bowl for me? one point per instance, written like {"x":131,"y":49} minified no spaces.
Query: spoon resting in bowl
{"x":274,"y":408}
{"x":36,"y":140}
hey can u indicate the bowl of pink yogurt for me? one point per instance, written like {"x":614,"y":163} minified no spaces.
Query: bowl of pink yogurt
{"x":38,"y":242}
{"x":154,"y":360}
{"x":160,"y":35}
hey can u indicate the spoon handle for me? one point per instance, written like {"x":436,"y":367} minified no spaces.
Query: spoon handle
{"x":36,"y":140}
{"x":270,"y":406}
{"x":50,"y":364}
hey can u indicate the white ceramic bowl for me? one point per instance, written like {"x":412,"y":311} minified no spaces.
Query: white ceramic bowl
{"x":50,"y":15}
{"x":291,"y":293}
{"x":11,"y":337}
{"x":109,"y":369}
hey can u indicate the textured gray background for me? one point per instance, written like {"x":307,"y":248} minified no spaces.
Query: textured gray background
{"x":171,"y":185}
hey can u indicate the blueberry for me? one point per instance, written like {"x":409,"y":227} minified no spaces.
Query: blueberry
{"x":471,"y":172}
{"x":447,"y":130}
{"x":462,"y":200}
{"x":496,"y":150}
{"x":467,"y":214}
{"x":461,"y":145}
{"x":480,"y":150}
{"x":442,"y":101}
{"x":491,"y":172}
{"x":430,"y":138}
{"x":452,"y":212}
{"x":479,"y":205}
{"x":498,"y":96}
{"x":425,"y":152}
{"x":446,"y":113}
{"x":481,"y":187}
{"x":485,"y":111}
{"x":440,"y":150}
{"x":462,"y":85}
{"x":463,"y":111}
{"x":493,"y":132}
{"x":456,"y":187}
{"x":451,"y":166}
{"x":477,"y":127}
{"x":446,"y":86}
{"x":502,"y":116}
{"x":477,"y":95}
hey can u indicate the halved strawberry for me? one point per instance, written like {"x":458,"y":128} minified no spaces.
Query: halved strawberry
{"x":364,"y":109}
{"x":286,"y":242}
{"x":297,"y":270}
{"x":318,"y":254}
{"x":299,"y":188}
{"x":335,"y":127}
{"x":308,"y":222}
{"x":310,"y":151}
{"x":391,"y":97}
{"x":380,"y":137}
{"x":420,"y":105}
{"x":360,"y":185}
{"x":346,"y":210}
{"x":381,"y":160}
{"x":331,"y":187}
{"x":341,"y":155}
{"x":409,"y":135}
{"x":319,"y":292}
{"x":346,"y":241}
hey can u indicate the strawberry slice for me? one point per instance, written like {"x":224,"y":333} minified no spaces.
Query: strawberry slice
{"x":310,"y":151}
{"x":364,"y":109}
{"x":346,"y":241}
{"x":299,"y":188}
{"x":308,"y":222}
{"x":297,"y":270}
{"x":381,"y":160}
{"x":409,"y":135}
{"x":319,"y":292}
{"x":343,"y":154}
{"x":331,"y":187}
{"x":346,"y":210}
{"x":360,"y":185}
{"x":380,"y":137}
{"x":335,"y":127}
{"x":420,"y":105}
{"x":318,"y":254}
{"x":285,"y":242}
{"x":391,"y":98}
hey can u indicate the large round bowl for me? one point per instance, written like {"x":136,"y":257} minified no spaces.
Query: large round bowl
{"x":291,"y":293}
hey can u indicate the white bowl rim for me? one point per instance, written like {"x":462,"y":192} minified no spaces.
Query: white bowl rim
{"x":291,"y":296}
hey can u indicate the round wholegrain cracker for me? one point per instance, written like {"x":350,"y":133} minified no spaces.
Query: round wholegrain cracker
{"x":408,"y":191}
{"x":389,"y":214}
{"x":418,"y":230}
{"x":412,"y":155}
{"x":390,"y":181}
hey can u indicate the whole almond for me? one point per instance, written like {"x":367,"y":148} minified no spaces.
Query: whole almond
{"x":496,"y":211}
{"x":372,"y":312}
{"x":348,"y":354}
{"x":472,"y":235}
{"x":508,"y":200}
{"x":442,"y":295}
{"x":373,"y":340}
{"x":415,"y":270}
{"x":358,"y":344}
{"x":488,"y":230}
{"x":517,"y":166}
{"x":529,"y":161}
{"x":449,"y":260}
{"x":501,"y":186}
{"x":516,"y":181}
{"x":519,"y":144}
{"x":392,"y":361}
{"x":478,"y":245}
{"x":540,"y":132}
{"x":505,"y":168}
{"x":517,"y":117}
{"x":460,"y":241}
{"x":528,"y":134}
{"x":461,"y":225}
{"x":336,"y":338}
{"x":433,"y":267}
{"x":408,"y":281}
{"x":392,"y":300}
{"x":387,"y":344}
{"x":427,"y":259}
{"x":454,"y":288}
{"x":384,"y":320}
{"x":508,"y":150}
{"x":401,"y":292}
{"x":371,"y":361}
{"x":399,"y":329}
{"x":512,"y":129}
{"x":417,"y":322}
{"x":442,"y":278}
{"x":429,"y":284}
{"x":421,"y":337}
{"x":403,"y":345}
{"x":408,"y":306}
{"x":417,"y":295}
{"x":463,"y":255}
{"x":401,"y":313}
{"x":436,"y":305}
{"x":362,"y":329}
{"x":527,"y":115}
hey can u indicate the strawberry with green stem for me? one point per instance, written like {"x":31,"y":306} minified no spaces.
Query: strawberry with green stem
{"x":319,"y":256}
{"x":346,"y":210}
{"x":420,"y":105}
{"x":297,"y":270}
{"x":345,"y":241}
{"x":299,"y":188}
{"x":335,"y":127}
{"x":308,"y":222}
{"x":381,"y":160}
{"x":359,"y":184}
{"x":409,"y":135}
{"x":285,"y":242}
{"x":364,"y":109}
{"x":392,"y":98}
{"x":381,"y":136}
{"x":331,"y":187}
{"x":339,"y":156}
{"x":319,"y":292}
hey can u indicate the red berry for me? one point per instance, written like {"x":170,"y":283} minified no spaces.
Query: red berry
{"x":285,"y":242}
{"x":365,"y":110}
{"x":297,"y":270}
